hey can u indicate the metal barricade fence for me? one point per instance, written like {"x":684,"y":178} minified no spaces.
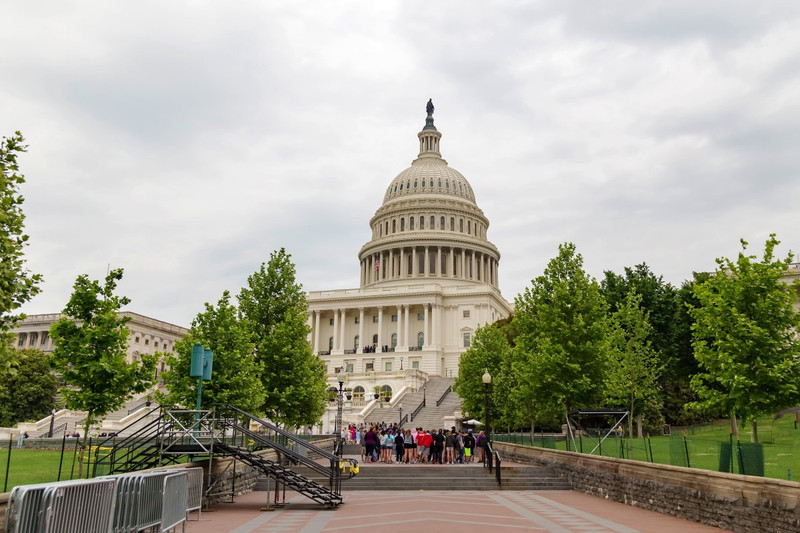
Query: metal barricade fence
{"x":139,"y":496}
{"x":24,"y":510}
{"x":195,"y":497}
{"x":84,"y":507}
{"x":78,"y":506}
{"x":175,"y":495}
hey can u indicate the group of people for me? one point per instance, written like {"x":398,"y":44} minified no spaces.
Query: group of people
{"x":395,"y":444}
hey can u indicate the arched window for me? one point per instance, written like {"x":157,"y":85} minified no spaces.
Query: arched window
{"x":461,"y":225}
{"x":420,"y":339}
{"x":469,"y":227}
{"x":447,"y":184}
{"x":358,"y":393}
{"x":394,"y":226}
{"x":411,"y":224}
{"x":440,"y":183}
{"x":421,"y":222}
{"x":415,"y":184}
{"x":387,"y":228}
{"x":375,"y":340}
{"x":401,"y":187}
{"x":441,"y":223}
{"x":330,"y":343}
{"x":402,"y":224}
{"x":386,"y":393}
{"x":452,"y":224}
{"x":356,"y":340}
{"x":433,"y":221}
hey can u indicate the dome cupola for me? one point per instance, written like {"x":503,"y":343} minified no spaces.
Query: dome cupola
{"x":429,"y":225}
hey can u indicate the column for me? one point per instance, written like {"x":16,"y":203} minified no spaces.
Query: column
{"x":426,"y":270}
{"x":380,"y":329}
{"x":391,"y":265}
{"x":425,"y":333}
{"x":360,"y":330}
{"x":402,"y":263}
{"x":343,"y":324}
{"x":438,"y":270}
{"x":335,"y":330}
{"x":463,"y":263}
{"x":434,"y":325}
{"x":405,"y":337}
{"x":414,"y":262}
{"x":399,"y":321}
{"x":316,"y":331}
{"x":473,"y":267}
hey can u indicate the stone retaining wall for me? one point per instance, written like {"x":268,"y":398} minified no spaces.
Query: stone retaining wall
{"x":729,"y":501}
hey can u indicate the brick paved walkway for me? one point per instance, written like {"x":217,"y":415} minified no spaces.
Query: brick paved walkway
{"x":490,"y":511}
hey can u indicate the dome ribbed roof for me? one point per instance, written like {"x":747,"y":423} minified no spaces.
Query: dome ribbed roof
{"x":429,"y":175}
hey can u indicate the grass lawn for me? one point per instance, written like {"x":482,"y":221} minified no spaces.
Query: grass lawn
{"x":28,"y":466}
{"x":779,"y":439}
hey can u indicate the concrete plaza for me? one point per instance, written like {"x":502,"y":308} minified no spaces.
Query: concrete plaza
{"x":478,"y":511}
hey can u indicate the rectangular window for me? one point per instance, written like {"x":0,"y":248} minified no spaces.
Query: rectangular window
{"x":466,"y":340}
{"x":330,"y":321}
{"x":357,"y":319}
{"x":369,"y":367}
{"x":374,"y":319}
{"x":394,"y":318}
{"x":415,"y":365}
{"x":420,"y":316}
{"x":21,"y":341}
{"x":147,"y":342}
{"x":466,"y":314}
{"x":387,"y":366}
{"x":137,"y":340}
{"x":348,"y":368}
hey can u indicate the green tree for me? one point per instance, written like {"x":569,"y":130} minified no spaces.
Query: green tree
{"x":17,"y":284}
{"x":635,"y":365}
{"x":28,"y":394}
{"x":562,"y":345}
{"x":745,"y":334}
{"x":662,"y":303}
{"x":90,"y":351}
{"x":490,"y":352}
{"x":274,"y":306}
{"x":236,"y":378}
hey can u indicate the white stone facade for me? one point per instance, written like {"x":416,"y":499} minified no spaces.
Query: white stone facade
{"x":428,"y":280}
{"x":147,"y":335}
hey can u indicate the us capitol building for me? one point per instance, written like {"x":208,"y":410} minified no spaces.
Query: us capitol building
{"x":428,"y":280}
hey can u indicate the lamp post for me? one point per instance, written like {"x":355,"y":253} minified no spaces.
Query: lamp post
{"x":401,"y":363}
{"x":340,"y":401}
{"x":52,"y":421}
{"x":401,"y":415}
{"x":487,"y":382}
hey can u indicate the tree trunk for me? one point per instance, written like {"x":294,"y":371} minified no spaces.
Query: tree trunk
{"x":83,"y":450}
{"x":734,"y":426}
{"x":754,"y":436}
{"x":639,"y":424}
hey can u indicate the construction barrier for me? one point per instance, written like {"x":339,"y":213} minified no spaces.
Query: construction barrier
{"x":175,"y":495}
{"x":79,"y":506}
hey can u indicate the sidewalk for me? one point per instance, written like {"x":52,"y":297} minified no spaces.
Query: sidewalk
{"x":490,"y":511}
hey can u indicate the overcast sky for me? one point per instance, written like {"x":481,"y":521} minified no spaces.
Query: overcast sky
{"x":184,"y":141}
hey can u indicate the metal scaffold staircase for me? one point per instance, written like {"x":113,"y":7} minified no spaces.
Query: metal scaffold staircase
{"x":225,"y":431}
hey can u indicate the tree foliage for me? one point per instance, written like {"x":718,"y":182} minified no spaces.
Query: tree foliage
{"x":490,"y":352}
{"x":28,"y":394}
{"x":274,"y":306}
{"x":17,"y":284}
{"x":90,"y":350}
{"x":562,"y":344}
{"x":635,"y":366}
{"x":745,"y":336}
{"x":236,"y":377}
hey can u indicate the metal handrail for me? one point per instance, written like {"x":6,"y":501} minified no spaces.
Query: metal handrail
{"x":403,"y":420}
{"x":58,"y":429}
{"x":491,"y":459}
{"x":416,"y":411}
{"x":444,"y":395}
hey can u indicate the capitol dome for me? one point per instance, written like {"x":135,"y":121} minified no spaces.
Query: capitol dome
{"x":429,"y":225}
